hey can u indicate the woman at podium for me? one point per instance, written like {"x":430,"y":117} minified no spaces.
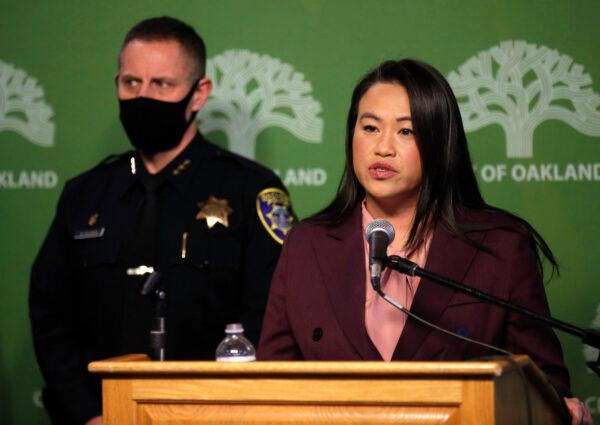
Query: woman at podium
{"x":407,"y":162}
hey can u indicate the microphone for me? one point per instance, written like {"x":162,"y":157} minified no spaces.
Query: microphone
{"x":379,"y":233}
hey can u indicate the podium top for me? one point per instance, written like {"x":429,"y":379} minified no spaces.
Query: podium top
{"x":141,"y":364}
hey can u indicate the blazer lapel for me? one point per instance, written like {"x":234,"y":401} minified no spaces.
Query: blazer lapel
{"x":451,"y":258}
{"x":342,"y":264}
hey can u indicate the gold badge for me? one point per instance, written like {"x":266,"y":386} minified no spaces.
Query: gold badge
{"x":214,"y":211}
{"x":93,"y":219}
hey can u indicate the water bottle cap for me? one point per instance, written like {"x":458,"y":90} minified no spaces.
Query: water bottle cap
{"x":234,"y":328}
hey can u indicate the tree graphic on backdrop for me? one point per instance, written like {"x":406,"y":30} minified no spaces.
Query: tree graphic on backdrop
{"x":252,"y":92}
{"x":590,"y":353}
{"x":22,"y":108}
{"x":518,"y":86}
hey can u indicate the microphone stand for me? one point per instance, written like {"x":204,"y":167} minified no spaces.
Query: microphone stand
{"x":158,"y":332}
{"x":589,"y":337}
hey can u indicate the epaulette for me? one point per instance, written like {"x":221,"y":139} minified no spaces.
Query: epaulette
{"x":110,"y":159}
{"x":242,"y":161}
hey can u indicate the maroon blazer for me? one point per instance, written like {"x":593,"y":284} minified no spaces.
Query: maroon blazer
{"x":316,"y":307}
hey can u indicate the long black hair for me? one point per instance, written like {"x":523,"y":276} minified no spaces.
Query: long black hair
{"x":448,"y":182}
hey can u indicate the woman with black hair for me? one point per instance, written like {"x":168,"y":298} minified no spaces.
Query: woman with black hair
{"x":407,"y":162}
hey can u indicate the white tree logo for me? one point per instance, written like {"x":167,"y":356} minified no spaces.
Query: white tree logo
{"x":252,"y":92}
{"x":22,"y":108}
{"x":518,"y":86}
{"x":591,"y":353}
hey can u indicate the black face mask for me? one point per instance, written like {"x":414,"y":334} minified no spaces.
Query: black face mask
{"x":154,"y":125}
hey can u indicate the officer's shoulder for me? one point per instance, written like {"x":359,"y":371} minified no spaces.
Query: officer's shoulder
{"x":250,"y":168}
{"x":105,"y":168}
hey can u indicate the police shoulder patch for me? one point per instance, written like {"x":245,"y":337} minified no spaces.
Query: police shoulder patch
{"x":274,"y":210}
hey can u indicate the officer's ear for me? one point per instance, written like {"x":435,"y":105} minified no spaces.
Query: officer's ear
{"x":201,"y":94}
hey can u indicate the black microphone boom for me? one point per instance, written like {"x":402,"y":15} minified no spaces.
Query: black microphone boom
{"x":590,"y":337}
{"x":380,"y":233}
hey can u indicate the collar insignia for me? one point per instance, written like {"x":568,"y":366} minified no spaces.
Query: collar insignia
{"x":274,"y":210}
{"x":181,"y":167}
{"x":132,"y":165}
{"x":214,"y":211}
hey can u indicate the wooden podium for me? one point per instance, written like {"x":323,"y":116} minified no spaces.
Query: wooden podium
{"x":141,"y":392}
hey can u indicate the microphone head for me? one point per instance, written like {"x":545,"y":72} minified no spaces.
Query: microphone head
{"x":380,"y":225}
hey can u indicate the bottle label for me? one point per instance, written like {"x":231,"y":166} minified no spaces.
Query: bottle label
{"x":237,"y":359}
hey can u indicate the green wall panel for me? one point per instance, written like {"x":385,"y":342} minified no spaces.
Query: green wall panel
{"x":68,"y":49}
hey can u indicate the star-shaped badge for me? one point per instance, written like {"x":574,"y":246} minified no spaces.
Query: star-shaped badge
{"x":214,"y":211}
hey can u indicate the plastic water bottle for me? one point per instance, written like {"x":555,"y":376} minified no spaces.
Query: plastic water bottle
{"x":235,"y":347}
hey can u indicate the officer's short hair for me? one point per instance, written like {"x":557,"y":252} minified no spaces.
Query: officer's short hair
{"x":165,"y":28}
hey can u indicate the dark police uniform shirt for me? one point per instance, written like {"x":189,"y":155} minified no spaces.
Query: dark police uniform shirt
{"x":221,"y":222}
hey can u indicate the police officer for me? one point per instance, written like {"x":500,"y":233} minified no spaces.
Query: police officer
{"x":210,"y":222}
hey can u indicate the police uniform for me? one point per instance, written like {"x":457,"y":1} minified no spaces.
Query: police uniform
{"x":220,"y":224}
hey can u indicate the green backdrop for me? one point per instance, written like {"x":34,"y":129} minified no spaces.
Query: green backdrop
{"x":528,"y":89}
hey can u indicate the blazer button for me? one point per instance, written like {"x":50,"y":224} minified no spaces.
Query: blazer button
{"x":462,"y":330}
{"x":317,"y":334}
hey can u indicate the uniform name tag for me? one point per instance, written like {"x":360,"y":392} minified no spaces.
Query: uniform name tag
{"x":89,"y":234}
